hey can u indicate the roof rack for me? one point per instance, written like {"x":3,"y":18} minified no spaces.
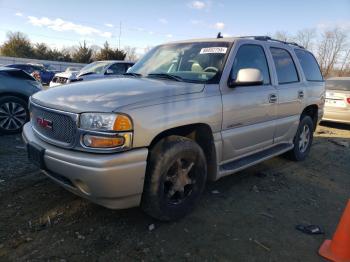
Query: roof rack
{"x":267,"y":38}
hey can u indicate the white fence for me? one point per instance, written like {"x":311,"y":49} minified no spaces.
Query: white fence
{"x":56,"y":65}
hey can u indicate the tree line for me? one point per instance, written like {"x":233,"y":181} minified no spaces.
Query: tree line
{"x":331,"y":48}
{"x":19,"y":45}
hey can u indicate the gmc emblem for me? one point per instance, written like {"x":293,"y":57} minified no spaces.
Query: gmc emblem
{"x":44,"y":123}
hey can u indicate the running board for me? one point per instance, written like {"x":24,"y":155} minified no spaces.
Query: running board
{"x":242,"y":163}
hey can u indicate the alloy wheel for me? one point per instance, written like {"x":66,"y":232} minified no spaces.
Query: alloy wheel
{"x":12,"y":116}
{"x":304,"y":139}
{"x":179,"y":181}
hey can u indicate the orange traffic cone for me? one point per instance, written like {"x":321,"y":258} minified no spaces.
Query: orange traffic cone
{"x":338,"y":249}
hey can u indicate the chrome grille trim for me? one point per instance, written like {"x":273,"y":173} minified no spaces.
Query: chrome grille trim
{"x":67,"y":133}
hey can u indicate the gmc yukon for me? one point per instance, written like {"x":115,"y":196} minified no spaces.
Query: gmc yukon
{"x":187,"y":112}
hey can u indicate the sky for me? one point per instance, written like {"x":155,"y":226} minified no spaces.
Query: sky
{"x":142,"y":24}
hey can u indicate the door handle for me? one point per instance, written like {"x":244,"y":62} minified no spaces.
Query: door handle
{"x":301,"y":94}
{"x":272,"y":98}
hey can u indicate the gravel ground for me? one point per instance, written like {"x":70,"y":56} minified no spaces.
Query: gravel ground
{"x":250,"y":216}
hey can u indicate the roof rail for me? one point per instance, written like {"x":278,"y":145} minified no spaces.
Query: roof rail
{"x":268,"y":38}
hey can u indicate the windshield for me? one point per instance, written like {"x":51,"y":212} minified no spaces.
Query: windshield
{"x":191,"y":62}
{"x":95,"y":67}
{"x":338,"y":85}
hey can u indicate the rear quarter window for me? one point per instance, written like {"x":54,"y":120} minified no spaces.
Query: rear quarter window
{"x":309,"y":65}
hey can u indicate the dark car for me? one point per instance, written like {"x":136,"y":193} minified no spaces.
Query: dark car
{"x":16,"y":86}
{"x":45,"y":75}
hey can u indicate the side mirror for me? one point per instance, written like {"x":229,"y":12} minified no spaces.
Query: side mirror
{"x":247,"y":77}
{"x":109,"y":72}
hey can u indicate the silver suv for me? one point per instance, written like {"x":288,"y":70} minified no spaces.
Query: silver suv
{"x":187,"y":112}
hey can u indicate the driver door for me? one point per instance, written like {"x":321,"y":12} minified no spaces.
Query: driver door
{"x":248,"y":111}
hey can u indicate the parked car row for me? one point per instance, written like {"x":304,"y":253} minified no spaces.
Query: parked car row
{"x":95,"y":70}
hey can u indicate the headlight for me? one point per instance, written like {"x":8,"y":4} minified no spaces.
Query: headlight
{"x":108,"y":131}
{"x":105,"y":122}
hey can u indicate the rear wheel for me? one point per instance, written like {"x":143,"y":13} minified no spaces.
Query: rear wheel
{"x":13,"y":114}
{"x":175,"y":178}
{"x":303,"y":139}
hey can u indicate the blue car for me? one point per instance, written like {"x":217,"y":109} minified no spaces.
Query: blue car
{"x":45,"y":75}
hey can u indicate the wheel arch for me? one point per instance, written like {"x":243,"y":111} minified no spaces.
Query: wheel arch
{"x":312,"y":111}
{"x":19,"y":95}
{"x":200,"y":133}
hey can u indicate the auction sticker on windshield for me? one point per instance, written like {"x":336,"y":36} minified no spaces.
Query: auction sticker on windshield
{"x":214,"y":50}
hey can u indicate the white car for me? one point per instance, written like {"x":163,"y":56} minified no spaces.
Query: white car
{"x":95,"y":70}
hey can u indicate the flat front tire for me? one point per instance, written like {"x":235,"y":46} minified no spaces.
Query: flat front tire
{"x":175,"y":179}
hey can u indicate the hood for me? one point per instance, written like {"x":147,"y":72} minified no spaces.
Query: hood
{"x":109,"y":94}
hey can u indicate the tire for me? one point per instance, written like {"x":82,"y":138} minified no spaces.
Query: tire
{"x":175,"y":178}
{"x":13,"y":114}
{"x":302,"y":140}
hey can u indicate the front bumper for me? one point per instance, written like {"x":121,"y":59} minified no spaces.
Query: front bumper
{"x":111,"y":180}
{"x":337,"y":115}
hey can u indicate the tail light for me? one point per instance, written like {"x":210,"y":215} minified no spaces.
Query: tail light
{"x":348,"y":100}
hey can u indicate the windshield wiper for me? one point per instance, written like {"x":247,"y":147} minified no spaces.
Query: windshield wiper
{"x":168,"y":76}
{"x":132,"y":74}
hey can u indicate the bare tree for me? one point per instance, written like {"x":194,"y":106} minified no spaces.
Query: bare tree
{"x":306,"y":38}
{"x":130,"y":53}
{"x":282,"y":35}
{"x":345,"y":64}
{"x":329,"y":50}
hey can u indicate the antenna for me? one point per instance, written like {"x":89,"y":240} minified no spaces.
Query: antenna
{"x":219,"y":35}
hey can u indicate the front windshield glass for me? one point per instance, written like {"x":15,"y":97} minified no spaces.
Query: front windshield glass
{"x":95,"y":67}
{"x":190,"y":62}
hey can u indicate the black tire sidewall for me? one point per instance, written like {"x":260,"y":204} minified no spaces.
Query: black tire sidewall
{"x":300,"y":156}
{"x":18,"y":101}
{"x":162,"y":158}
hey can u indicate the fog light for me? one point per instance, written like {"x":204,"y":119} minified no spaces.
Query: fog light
{"x":103,"y":142}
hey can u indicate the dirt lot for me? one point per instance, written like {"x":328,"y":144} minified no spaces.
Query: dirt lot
{"x":250,"y":216}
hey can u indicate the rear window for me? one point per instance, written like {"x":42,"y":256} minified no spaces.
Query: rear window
{"x":285,"y":67}
{"x":17,"y":74}
{"x":309,"y":65}
{"x":343,"y":85}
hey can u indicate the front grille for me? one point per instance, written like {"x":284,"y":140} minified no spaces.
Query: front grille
{"x":61,"y":128}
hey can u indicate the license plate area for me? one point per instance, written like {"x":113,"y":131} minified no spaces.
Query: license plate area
{"x":36,"y":155}
{"x":335,"y":103}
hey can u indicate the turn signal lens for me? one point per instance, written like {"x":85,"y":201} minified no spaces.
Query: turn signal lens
{"x":122,"y":123}
{"x":103,"y":142}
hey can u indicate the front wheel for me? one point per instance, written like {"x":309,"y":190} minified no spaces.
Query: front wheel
{"x":302,"y":140}
{"x":175,"y":179}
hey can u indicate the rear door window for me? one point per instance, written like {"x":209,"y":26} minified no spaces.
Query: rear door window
{"x":285,"y":67}
{"x":309,"y":65}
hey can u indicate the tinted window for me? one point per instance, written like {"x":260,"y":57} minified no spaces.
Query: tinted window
{"x":251,"y":56}
{"x":117,"y":69}
{"x":285,"y":67}
{"x":310,"y":67}
{"x":338,"y":85}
